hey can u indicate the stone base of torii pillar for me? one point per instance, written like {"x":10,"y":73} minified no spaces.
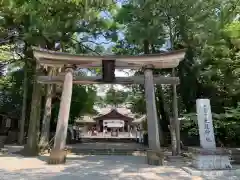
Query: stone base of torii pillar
{"x":57,"y":157}
{"x":58,"y":153}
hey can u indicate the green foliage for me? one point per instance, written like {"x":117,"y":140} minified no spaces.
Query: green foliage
{"x":189,"y":124}
{"x":47,"y":22}
{"x":233,"y":113}
{"x":5,"y":53}
{"x":115,"y":97}
{"x":136,"y":101}
{"x":11,"y":94}
{"x":226,"y":125}
{"x":83,"y":99}
{"x":233,"y":30}
{"x":211,"y":38}
{"x":42,"y":24}
{"x":209,"y":30}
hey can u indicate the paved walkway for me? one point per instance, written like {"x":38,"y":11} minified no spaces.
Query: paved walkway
{"x":78,"y":167}
{"x":87,"y":168}
{"x":92,"y":168}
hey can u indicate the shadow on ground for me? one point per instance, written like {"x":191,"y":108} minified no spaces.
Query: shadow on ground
{"x":88,"y":167}
{"x":99,"y":167}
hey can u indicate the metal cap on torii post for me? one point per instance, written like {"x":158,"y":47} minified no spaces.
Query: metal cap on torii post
{"x":148,"y":66}
{"x":69,"y":67}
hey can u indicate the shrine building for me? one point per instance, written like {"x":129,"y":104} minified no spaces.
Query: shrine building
{"x":111,"y":118}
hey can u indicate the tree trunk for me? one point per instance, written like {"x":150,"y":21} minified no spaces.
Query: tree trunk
{"x":38,"y":117}
{"x":24,"y":105}
{"x":31,"y":148}
{"x":173,"y":137}
{"x":167,"y":122}
{"x":146,"y":47}
{"x":163,"y":110}
{"x":161,"y":134}
{"x":47,"y":115}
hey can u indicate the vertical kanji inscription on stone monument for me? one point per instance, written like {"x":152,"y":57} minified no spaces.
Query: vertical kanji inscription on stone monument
{"x":205,"y":125}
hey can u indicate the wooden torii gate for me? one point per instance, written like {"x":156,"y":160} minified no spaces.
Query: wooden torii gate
{"x":108,"y":64}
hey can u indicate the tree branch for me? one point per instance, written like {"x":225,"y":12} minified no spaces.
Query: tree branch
{"x":9,"y":62}
{"x":86,"y":46}
{"x":96,"y":42}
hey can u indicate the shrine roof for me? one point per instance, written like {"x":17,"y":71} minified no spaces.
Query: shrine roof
{"x":85,"y":119}
{"x":139,"y":120}
{"x":121,"y":110}
{"x":56,"y":58}
{"x":113,"y":114}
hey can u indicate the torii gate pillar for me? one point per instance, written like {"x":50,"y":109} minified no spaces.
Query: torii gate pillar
{"x":58,"y":153}
{"x":154,"y":154}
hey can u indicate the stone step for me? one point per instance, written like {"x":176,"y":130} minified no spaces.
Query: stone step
{"x":3,"y":150}
{"x":135,"y":152}
{"x":174,"y":158}
{"x":125,"y":140}
{"x":213,"y":173}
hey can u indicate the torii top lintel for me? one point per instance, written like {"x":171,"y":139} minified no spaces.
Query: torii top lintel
{"x":59,"y":59}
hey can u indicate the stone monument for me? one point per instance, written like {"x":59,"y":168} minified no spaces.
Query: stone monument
{"x":208,"y":157}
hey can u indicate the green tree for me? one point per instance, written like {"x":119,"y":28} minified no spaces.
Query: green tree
{"x":208,"y":49}
{"x":35,"y":23}
{"x":115,"y":97}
